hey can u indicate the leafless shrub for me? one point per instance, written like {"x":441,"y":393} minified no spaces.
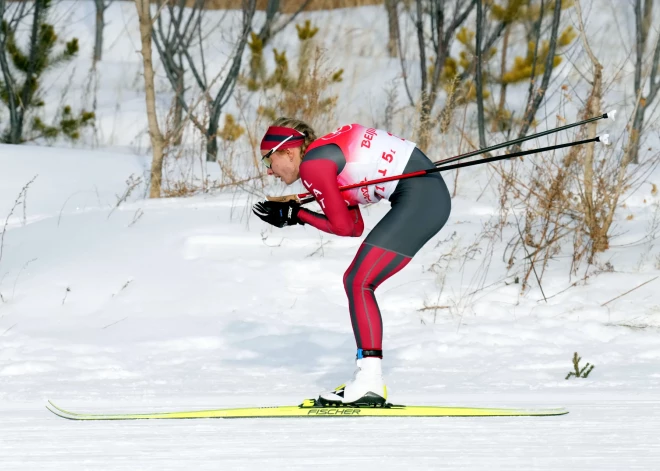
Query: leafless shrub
{"x":132,"y":182}
{"x":442,"y":22}
{"x":458,"y":259}
{"x":136,"y":217}
{"x":185,"y":172}
{"x":13,"y":292}
{"x":174,"y":41}
{"x":22,"y":195}
{"x":320,"y":249}
{"x":651,"y":236}
{"x":570,"y":196}
{"x":643,"y":75}
{"x":391,"y":99}
{"x":555,"y":204}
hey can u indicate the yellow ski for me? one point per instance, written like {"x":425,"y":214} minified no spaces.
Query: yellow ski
{"x":309,"y":408}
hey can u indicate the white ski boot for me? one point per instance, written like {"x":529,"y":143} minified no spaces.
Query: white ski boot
{"x":367,"y":389}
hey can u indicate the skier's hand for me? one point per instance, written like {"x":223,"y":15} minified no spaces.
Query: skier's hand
{"x":278,"y":214}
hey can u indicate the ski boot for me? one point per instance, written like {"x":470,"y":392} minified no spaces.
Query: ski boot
{"x":367,"y":389}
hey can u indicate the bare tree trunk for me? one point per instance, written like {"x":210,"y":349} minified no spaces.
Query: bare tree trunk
{"x":101,"y":6}
{"x":636,"y":133}
{"x":536,"y":97}
{"x":14,"y":133}
{"x":478,"y":79}
{"x":228,"y":85}
{"x":425,"y":111}
{"x":157,"y":139}
{"x":441,"y":36}
{"x":177,"y":41}
{"x":393,"y":23}
{"x":212,"y":138}
{"x":500,"y":107}
{"x":170,"y":45}
{"x":257,"y":69}
{"x":638,"y":120}
{"x":646,"y":21}
{"x":272,"y":8}
{"x":178,"y":109}
{"x":488,"y":45}
{"x":642,"y":23}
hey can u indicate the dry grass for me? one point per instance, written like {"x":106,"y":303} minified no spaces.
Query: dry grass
{"x":21,"y":198}
{"x":565,"y":199}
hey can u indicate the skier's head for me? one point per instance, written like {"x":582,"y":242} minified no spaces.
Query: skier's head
{"x":283,"y":147}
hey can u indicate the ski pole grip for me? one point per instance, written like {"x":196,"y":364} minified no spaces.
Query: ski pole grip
{"x":283,"y":199}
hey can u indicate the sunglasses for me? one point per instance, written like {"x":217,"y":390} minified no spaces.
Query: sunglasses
{"x":266,"y":159}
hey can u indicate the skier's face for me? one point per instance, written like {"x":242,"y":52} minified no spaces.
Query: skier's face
{"x":285,"y":164}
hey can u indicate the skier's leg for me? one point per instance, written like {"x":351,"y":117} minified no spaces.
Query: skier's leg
{"x":420,"y":208}
{"x":371,"y":266}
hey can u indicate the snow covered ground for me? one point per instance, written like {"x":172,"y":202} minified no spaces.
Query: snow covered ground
{"x":111,"y":302}
{"x":192,"y":306}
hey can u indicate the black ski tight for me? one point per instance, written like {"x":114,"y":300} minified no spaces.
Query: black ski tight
{"x":420,"y":208}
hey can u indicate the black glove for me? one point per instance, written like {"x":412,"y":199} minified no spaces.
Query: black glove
{"x":278,"y":214}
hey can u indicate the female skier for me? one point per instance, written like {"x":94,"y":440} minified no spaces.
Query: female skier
{"x":420,"y":207}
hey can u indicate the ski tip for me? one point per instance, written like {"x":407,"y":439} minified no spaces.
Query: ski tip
{"x":610,"y":115}
{"x":50,"y":403}
{"x":605,"y":139}
{"x":56,"y":410}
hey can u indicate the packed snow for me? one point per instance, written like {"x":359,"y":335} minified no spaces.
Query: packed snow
{"x":113,"y":302}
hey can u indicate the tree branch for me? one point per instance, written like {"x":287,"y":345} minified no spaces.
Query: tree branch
{"x":9,"y":83}
{"x":478,"y":79}
{"x":291,"y":18}
{"x":459,"y":18}
{"x":639,"y":45}
{"x":272,"y":8}
{"x":238,"y":56}
{"x":402,"y":60}
{"x":419,"y":24}
{"x":487,"y":46}
{"x":653,"y":78}
{"x":29,"y":81}
{"x":547,"y":73}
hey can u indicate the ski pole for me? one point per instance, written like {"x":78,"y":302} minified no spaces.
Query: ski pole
{"x":304,"y":198}
{"x":608,"y":115}
{"x":604,"y":139}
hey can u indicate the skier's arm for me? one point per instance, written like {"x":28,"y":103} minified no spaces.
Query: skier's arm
{"x":319,"y":176}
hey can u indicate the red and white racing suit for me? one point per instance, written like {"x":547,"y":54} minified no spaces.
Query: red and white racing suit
{"x":420,"y":208}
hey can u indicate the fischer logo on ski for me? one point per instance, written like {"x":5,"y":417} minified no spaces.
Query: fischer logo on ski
{"x":348,"y":411}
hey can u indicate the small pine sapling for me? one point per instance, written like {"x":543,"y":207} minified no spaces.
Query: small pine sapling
{"x":580,"y":372}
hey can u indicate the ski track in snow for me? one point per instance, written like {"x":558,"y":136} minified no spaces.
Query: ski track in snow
{"x":599,"y":435}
